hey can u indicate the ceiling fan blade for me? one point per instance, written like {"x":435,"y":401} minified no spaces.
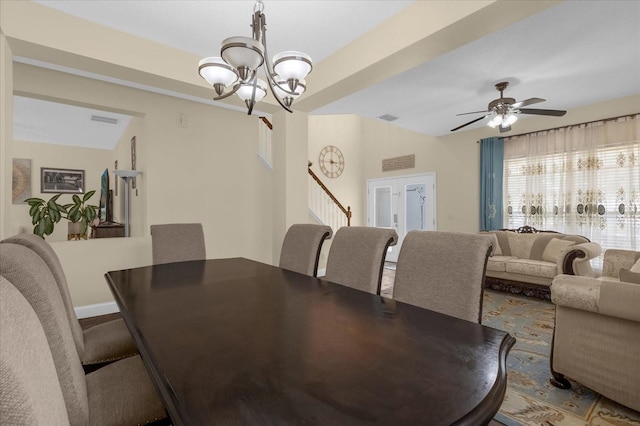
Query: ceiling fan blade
{"x":526,"y":102}
{"x":471,"y":122}
{"x":504,"y":129}
{"x":554,"y":112}
{"x":474,"y":112}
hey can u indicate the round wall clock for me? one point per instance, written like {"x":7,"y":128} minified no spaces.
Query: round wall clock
{"x":331,"y":161}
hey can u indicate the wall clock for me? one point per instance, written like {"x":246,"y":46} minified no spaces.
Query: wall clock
{"x":331,"y":161}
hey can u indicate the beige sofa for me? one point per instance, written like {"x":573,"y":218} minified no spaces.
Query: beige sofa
{"x":526,"y":260}
{"x":596,"y":338}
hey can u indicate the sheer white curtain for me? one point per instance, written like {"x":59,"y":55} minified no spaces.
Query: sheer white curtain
{"x":583,"y":179}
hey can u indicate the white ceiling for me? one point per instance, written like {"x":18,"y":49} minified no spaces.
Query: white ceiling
{"x":573,"y":54}
{"x":43,"y":121}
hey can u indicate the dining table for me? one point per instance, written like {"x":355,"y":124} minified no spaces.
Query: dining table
{"x":239,"y":342}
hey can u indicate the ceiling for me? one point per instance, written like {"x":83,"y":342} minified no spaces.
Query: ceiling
{"x":572,"y":54}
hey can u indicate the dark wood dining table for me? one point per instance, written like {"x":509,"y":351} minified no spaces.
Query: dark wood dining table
{"x":239,"y":342}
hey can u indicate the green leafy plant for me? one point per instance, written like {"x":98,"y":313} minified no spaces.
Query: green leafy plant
{"x":81,"y":211}
{"x":45,"y":214}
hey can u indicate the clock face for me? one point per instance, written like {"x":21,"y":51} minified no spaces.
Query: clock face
{"x":331,"y":161}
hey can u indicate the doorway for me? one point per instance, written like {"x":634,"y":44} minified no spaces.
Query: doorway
{"x":403,"y":203}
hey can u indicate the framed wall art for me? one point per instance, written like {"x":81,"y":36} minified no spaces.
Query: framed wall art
{"x":66,"y":181}
{"x":21,"y":180}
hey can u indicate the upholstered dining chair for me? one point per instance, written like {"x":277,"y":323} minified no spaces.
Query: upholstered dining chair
{"x":30,"y":392}
{"x":301,"y":247}
{"x":97,"y":345}
{"x":443,"y":272}
{"x":119,"y":393}
{"x":177,"y":242}
{"x":356,"y":257}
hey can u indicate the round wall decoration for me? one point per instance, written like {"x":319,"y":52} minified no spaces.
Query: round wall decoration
{"x":331,"y":161}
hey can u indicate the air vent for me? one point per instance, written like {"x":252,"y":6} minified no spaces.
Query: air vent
{"x":102,"y":119}
{"x":388,"y":117}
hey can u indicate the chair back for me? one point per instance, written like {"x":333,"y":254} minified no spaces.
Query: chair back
{"x":46,"y":252}
{"x":31,"y":276}
{"x":30,"y":392}
{"x":357,"y":254}
{"x":443,"y":272}
{"x":301,"y":247}
{"x":177,"y":242}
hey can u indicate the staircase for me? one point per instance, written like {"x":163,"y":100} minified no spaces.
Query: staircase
{"x":325,"y":207}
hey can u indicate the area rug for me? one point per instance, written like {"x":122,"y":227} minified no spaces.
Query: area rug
{"x":530,"y":399}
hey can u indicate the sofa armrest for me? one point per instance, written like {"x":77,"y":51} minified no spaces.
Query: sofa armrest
{"x":612,"y":298}
{"x":576,"y":259}
{"x":576,"y":292}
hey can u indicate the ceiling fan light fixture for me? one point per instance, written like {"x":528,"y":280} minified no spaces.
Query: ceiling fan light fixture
{"x":503,"y":120}
{"x":509,"y":120}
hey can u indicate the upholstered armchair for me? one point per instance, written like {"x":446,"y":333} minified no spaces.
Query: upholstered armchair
{"x":596,"y":339}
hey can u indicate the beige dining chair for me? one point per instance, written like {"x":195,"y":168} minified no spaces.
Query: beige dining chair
{"x":301,"y":247}
{"x":356,"y":257}
{"x":177,"y":242}
{"x":443,"y":272}
{"x":30,"y":392}
{"x":120,"y":393}
{"x":96,"y":345}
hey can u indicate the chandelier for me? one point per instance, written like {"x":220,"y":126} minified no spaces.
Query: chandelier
{"x":236,"y":70}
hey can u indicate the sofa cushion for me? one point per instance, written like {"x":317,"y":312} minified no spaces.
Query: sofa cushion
{"x":520,"y":244}
{"x":554,"y":249}
{"x":540,"y":244}
{"x":498,"y":263}
{"x":635,"y":267}
{"x":536,"y":268}
{"x":628,"y":276}
{"x":497,"y":250}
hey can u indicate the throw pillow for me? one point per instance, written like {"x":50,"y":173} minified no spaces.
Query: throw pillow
{"x":635,"y":267}
{"x":629,"y":276}
{"x":554,"y":248}
{"x":497,"y":251}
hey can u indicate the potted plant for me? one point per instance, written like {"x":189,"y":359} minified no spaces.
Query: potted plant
{"x":80,"y":214}
{"x":45,"y":214}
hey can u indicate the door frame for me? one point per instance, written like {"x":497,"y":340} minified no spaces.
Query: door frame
{"x":429,"y":177}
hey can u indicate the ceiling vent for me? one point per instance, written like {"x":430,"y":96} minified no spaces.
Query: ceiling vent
{"x":102,"y":119}
{"x":388,"y":117}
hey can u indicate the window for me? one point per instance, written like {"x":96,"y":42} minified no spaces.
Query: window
{"x":583,"y":180}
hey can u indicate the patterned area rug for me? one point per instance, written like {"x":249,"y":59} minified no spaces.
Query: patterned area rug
{"x":530,"y":399}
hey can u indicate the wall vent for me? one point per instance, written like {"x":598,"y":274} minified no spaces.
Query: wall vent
{"x":388,"y":117}
{"x":102,"y":119}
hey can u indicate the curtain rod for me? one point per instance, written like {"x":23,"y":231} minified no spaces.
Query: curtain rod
{"x":572,"y":125}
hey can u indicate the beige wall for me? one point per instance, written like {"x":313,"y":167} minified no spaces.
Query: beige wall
{"x":208,"y":172}
{"x":346,"y":133}
{"x":454,"y":158}
{"x":92,"y":161}
{"x":6,"y":132}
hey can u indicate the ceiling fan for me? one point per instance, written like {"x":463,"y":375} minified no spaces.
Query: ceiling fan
{"x":502,"y":111}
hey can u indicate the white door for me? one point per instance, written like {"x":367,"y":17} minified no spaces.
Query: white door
{"x":404,"y":203}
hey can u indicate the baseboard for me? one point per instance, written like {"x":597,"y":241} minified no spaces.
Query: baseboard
{"x":96,"y":310}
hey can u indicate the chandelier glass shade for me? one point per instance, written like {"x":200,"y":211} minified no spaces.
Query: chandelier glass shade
{"x":236,"y":70}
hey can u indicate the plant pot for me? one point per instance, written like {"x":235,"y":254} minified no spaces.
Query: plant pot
{"x":74,"y":231}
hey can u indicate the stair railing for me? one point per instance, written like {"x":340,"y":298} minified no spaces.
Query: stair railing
{"x":325,"y":206}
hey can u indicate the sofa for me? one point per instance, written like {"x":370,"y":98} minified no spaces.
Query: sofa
{"x":526,"y":260}
{"x":596,"y":338}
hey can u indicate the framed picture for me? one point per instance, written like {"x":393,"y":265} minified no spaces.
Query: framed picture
{"x":61,"y":180}
{"x":21,"y":180}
